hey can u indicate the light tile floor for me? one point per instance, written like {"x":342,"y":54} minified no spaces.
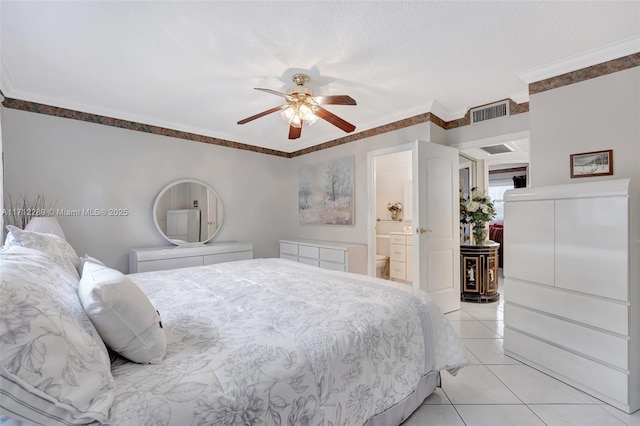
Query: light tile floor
{"x":496,"y":390}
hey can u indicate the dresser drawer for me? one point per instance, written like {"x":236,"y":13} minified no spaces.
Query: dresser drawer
{"x":398,"y":239}
{"x":333,"y":266}
{"x":610,"y":316}
{"x":348,"y":257}
{"x":227,"y":257}
{"x":398,"y":252}
{"x":398,"y":270}
{"x":599,"y":380}
{"x":332,"y":255}
{"x":160,"y":258}
{"x":164,"y":264}
{"x":309,"y":261}
{"x":593,"y":343}
{"x":288,"y":256}
{"x":308,"y":251}
{"x":290,"y":249}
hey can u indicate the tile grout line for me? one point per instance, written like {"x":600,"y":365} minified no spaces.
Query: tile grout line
{"x":485,"y":366}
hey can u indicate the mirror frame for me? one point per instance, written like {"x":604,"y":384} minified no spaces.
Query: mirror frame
{"x":171,"y":185}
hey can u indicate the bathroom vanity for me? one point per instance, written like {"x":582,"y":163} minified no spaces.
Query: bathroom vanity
{"x":401,"y":256}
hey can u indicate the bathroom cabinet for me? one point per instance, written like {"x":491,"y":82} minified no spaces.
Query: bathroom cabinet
{"x":339,"y":256}
{"x":401,"y":256}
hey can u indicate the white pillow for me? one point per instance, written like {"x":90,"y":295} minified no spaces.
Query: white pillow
{"x":54,"y":368}
{"x":60,"y":251}
{"x":123,"y":315}
{"x":87,"y":258}
{"x":9,"y":241}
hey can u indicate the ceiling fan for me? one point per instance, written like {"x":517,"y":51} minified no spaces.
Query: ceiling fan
{"x":303,"y":107}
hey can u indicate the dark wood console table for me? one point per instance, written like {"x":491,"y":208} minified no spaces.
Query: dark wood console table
{"x":479,"y":272}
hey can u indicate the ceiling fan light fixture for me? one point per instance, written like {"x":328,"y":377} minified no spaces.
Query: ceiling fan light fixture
{"x":289,"y":115}
{"x":300,"y":111}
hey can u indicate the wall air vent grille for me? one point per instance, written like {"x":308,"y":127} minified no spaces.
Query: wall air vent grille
{"x":489,"y":112}
{"x":496,"y":149}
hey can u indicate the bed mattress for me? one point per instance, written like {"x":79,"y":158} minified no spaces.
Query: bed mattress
{"x":271,"y":342}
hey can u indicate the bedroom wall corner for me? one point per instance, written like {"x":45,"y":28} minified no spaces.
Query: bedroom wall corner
{"x":82,"y":165}
{"x":593,"y":115}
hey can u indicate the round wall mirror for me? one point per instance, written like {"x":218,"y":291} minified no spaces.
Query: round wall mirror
{"x":187,"y":212}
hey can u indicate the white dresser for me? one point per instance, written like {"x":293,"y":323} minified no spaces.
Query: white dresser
{"x":348,"y":257}
{"x":401,"y":256}
{"x":572,"y":285}
{"x":160,"y":258}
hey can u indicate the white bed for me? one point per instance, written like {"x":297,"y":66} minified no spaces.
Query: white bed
{"x":274,"y":342}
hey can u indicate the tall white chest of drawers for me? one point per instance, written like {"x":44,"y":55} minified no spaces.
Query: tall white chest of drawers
{"x":339,"y":256}
{"x":572,"y":285}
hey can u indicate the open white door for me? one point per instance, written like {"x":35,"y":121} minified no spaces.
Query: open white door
{"x":436,"y":223}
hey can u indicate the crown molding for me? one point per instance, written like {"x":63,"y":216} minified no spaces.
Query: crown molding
{"x":584,"y":60}
{"x":55,"y":111}
{"x":520,"y":97}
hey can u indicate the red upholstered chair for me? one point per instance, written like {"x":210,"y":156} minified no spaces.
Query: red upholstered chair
{"x":495,"y":234}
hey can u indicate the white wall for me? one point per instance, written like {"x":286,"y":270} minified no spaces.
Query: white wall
{"x":597,"y":114}
{"x":82,"y":165}
{"x":393,"y":173}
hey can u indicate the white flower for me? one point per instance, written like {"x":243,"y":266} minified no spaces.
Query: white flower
{"x":397,"y":206}
{"x":473,"y":206}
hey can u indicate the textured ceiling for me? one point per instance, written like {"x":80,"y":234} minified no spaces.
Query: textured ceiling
{"x":192,"y":66}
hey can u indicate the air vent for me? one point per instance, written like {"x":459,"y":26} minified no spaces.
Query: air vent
{"x":496,"y":149}
{"x":489,"y":112}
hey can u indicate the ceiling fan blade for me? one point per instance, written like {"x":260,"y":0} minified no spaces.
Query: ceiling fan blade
{"x":294,"y":132}
{"x":335,"y":120}
{"x":335,"y":100}
{"x":273,"y":92}
{"x":262,"y":114}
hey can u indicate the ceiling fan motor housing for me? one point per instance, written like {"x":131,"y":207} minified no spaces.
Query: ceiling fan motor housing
{"x":300,"y":80}
{"x":299,"y":90}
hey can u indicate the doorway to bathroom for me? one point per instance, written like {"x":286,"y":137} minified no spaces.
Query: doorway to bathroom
{"x":413,"y":219}
{"x":392,"y":202}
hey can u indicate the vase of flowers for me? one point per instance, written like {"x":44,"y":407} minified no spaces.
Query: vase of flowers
{"x":394,"y":208}
{"x":477,"y":210}
{"x":479,"y":233}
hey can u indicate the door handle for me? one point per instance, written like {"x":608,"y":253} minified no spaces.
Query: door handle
{"x":422,"y":230}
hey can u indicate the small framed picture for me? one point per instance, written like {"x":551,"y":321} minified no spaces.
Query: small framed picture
{"x":596,"y":163}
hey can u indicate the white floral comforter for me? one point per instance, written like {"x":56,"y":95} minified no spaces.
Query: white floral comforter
{"x":273,"y":342}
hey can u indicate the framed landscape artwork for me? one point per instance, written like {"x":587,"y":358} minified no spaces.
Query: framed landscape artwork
{"x":325,"y":192}
{"x":595,"y":163}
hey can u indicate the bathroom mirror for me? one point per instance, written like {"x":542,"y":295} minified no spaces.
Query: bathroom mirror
{"x":188,"y":212}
